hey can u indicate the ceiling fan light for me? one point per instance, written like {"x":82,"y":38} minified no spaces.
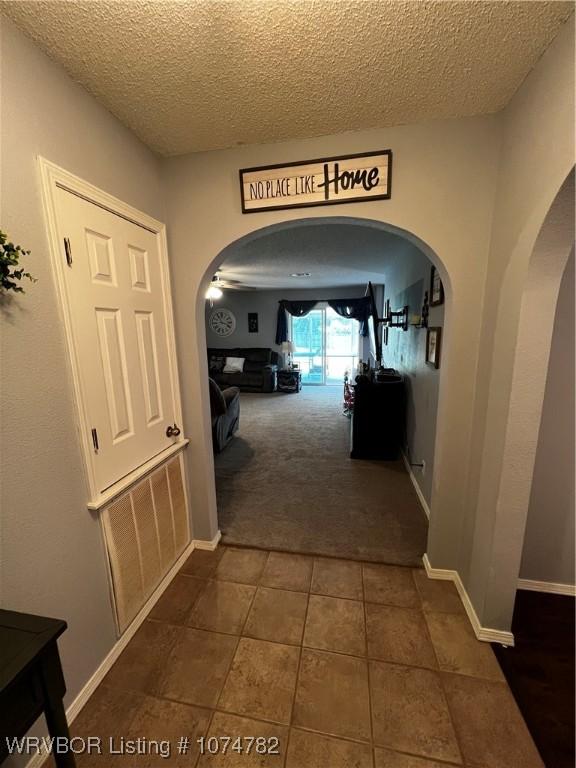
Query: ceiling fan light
{"x":214,"y":292}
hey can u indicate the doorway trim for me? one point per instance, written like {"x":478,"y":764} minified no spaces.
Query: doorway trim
{"x":52,"y":178}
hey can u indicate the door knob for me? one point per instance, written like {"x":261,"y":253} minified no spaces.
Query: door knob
{"x":173,"y":431}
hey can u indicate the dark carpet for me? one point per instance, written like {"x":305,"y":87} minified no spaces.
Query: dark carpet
{"x":286,"y":482}
{"x":540,"y":672}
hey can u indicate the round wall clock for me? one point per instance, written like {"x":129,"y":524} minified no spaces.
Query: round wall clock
{"x":222,"y":322}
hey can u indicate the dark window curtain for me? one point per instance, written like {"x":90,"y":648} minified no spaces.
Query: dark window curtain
{"x":357,"y":309}
{"x":296,"y":309}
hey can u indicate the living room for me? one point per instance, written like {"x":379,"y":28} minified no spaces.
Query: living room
{"x":281,"y":354}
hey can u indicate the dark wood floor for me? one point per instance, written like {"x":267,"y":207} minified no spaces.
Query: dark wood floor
{"x":540,"y":672}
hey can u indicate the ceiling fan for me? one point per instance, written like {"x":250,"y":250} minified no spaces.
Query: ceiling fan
{"x":222,"y":282}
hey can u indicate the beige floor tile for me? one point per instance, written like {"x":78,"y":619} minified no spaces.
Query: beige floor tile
{"x":275,"y":739}
{"x":437,"y":594}
{"x":457,"y":648}
{"x":277,"y":615}
{"x":261,"y":681}
{"x":390,"y":585}
{"x":332,"y":695}
{"x":409,"y":712}
{"x":400,"y":635}
{"x":244,"y":566}
{"x":203,"y":562}
{"x":490,"y":728}
{"x":284,"y":571}
{"x":107,"y":714}
{"x":177,"y":601}
{"x":161,"y":720}
{"x":337,"y":578}
{"x":335,"y":624}
{"x":311,"y":750}
{"x":197,"y":667}
{"x":141,"y":663}
{"x":222,"y":607}
{"x":386,"y":758}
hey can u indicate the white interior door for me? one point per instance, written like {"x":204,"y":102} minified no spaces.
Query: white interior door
{"x":119,"y":324}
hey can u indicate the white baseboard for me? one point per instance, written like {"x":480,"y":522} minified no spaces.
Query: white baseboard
{"x":76,"y":706}
{"x":417,"y":488}
{"x":486,"y":634}
{"x":547,"y":586}
{"x":209,"y":545}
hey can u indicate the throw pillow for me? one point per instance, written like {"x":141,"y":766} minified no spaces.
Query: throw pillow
{"x":216,"y":364}
{"x":234,"y":365}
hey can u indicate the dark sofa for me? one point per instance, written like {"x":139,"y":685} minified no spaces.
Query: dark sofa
{"x":225,"y":413}
{"x":260,"y":368}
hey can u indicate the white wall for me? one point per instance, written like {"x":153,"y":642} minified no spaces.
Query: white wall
{"x":407,"y":277}
{"x":52,"y":558}
{"x":548,"y":553}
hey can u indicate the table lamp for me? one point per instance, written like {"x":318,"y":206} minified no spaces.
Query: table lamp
{"x":288,"y":350}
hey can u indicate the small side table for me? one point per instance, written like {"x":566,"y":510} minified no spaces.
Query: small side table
{"x":31,"y":679}
{"x":289,"y":380}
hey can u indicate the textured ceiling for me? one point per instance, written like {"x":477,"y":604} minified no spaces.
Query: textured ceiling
{"x":335,"y":253}
{"x":194,"y":75}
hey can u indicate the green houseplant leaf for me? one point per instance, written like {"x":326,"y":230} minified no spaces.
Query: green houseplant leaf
{"x":9,"y":258}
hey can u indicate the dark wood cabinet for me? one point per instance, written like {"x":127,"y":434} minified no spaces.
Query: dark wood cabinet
{"x":379,"y":419}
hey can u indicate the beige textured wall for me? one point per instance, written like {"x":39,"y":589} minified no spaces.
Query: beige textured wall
{"x":52,"y":558}
{"x":443,"y":189}
{"x":478,"y":206}
{"x":537,"y":155}
{"x":548,"y":553}
{"x":407,"y":277}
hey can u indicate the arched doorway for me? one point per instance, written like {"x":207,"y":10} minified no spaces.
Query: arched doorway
{"x":407,"y":239}
{"x":541,"y":287}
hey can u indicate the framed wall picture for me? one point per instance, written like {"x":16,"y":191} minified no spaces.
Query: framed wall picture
{"x":436,"y":288}
{"x":252,"y":322}
{"x":433,"y":340}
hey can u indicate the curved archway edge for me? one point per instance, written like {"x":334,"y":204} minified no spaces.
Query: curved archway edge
{"x":548,"y":260}
{"x":409,"y":236}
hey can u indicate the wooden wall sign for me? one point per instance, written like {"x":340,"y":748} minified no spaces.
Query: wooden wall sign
{"x":326,"y":181}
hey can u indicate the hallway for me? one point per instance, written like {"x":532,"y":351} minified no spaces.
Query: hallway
{"x":287,"y":482}
{"x":331,"y":663}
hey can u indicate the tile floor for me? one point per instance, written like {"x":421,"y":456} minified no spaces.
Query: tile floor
{"x":339,"y":663}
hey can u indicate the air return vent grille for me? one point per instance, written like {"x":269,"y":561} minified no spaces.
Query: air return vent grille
{"x":145,"y":531}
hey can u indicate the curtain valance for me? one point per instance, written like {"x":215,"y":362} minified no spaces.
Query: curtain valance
{"x":356,"y":309}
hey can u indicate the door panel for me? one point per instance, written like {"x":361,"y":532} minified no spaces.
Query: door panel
{"x":114,"y":286}
{"x":149,"y":366}
{"x":115,"y":370}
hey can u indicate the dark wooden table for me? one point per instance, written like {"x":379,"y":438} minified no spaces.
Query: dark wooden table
{"x":31,"y":679}
{"x":289,"y":380}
